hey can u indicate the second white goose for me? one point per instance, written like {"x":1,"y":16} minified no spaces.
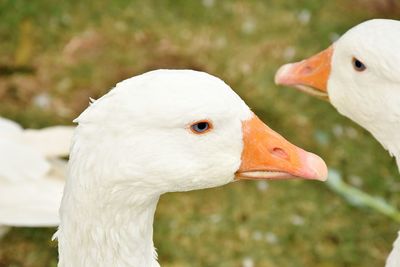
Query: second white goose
{"x":360,"y":75}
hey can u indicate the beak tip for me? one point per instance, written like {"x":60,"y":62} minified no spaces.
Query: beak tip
{"x":281,"y":77}
{"x":318,"y":167}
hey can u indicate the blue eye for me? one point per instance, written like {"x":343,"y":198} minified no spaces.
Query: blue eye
{"x":358,"y":65}
{"x":200,"y":127}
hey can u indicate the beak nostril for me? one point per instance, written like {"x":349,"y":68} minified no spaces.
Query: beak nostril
{"x":279,"y":152}
{"x":306,"y":70}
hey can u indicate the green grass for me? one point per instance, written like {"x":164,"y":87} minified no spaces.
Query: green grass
{"x":292,"y":223}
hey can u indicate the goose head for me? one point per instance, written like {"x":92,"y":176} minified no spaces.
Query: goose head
{"x":163,"y":131}
{"x":359,"y":75}
{"x":179,"y":130}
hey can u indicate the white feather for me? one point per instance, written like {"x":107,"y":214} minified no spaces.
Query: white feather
{"x":31,"y":203}
{"x":20,"y":163}
{"x":32,"y":174}
{"x":50,"y":142}
{"x":394,"y":258}
{"x":8,"y":126}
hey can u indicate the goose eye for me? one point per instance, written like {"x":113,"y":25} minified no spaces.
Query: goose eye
{"x":200,"y":127}
{"x":358,"y":65}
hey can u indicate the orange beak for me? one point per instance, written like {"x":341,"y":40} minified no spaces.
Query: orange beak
{"x":267,"y":155}
{"x":310,"y":75}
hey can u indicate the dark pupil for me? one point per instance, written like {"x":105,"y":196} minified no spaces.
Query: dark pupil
{"x":359,"y":65}
{"x":201,"y":126}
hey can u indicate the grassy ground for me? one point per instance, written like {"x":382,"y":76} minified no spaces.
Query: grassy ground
{"x":55,"y":55}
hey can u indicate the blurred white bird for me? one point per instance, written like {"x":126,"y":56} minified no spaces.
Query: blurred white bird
{"x":32,"y":173}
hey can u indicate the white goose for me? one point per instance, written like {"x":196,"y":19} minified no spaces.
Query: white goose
{"x":32,"y":174}
{"x":163,"y":131}
{"x":360,"y":75}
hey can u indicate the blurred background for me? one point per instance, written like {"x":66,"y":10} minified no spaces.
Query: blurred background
{"x":54,"y":55}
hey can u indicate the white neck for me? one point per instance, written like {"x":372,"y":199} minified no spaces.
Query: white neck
{"x":377,"y":109}
{"x":384,"y":127}
{"x":387,"y":133}
{"x":98,"y":232}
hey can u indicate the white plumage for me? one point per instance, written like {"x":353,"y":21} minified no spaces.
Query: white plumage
{"x":32,"y":173}
{"x":394,"y":258}
{"x":138,"y":142}
{"x":363,"y":83}
{"x":372,"y":97}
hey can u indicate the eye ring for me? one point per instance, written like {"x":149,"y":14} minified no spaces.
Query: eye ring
{"x":358,"y":65}
{"x":201,"y":127}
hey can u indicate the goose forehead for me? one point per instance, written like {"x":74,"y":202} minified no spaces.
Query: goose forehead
{"x":376,"y":27}
{"x":183,"y":93}
{"x":376,"y":44}
{"x":169,"y":95}
{"x":380,"y":38}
